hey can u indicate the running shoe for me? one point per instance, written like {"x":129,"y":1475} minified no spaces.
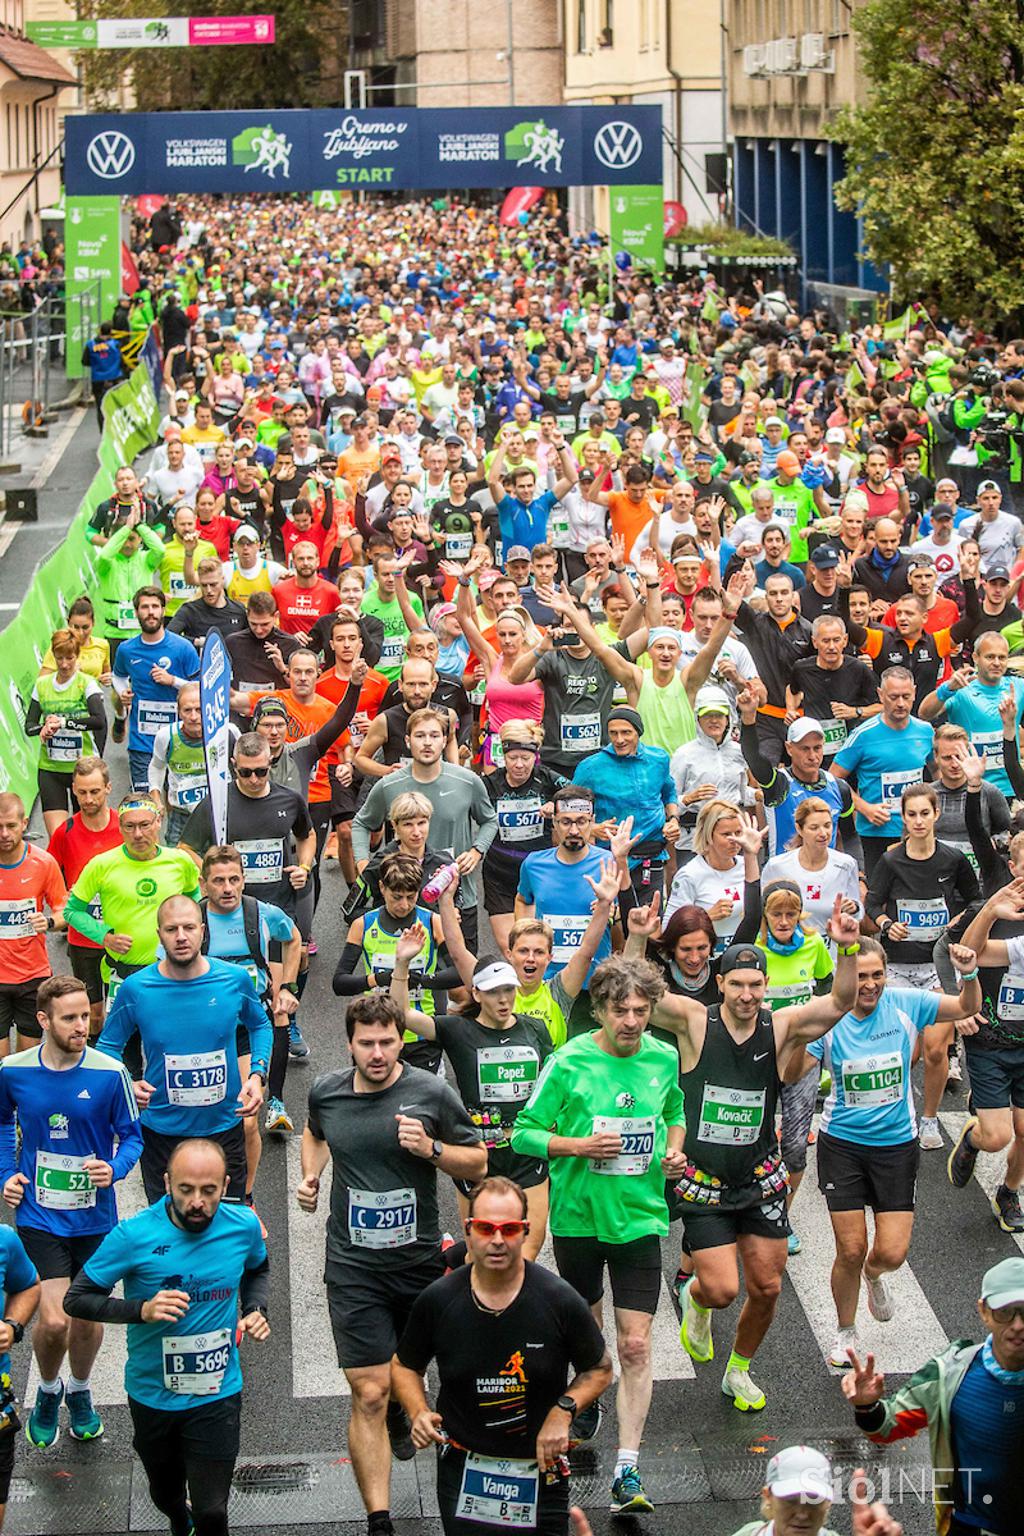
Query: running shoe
{"x":86,"y":1423}
{"x":846,"y":1339}
{"x":43,"y":1427}
{"x":400,"y":1433}
{"x":1007,"y":1211}
{"x":628,"y":1497}
{"x":930,"y":1137}
{"x":586,"y":1424}
{"x":956,"y":1072}
{"x":880,"y":1302}
{"x":278,"y":1119}
{"x":695,"y":1329}
{"x":793,"y":1244}
{"x":961,"y":1161}
{"x":746,"y":1394}
{"x":118,"y":731}
{"x":312,"y":948}
{"x":298,"y":1050}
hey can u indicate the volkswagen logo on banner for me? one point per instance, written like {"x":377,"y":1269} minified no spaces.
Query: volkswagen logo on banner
{"x":618,"y":145}
{"x":110,"y":154}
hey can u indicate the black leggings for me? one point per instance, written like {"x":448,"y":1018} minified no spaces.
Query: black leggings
{"x":189,"y":1454}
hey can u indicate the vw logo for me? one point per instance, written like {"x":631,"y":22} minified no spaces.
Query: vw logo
{"x":110,"y":155}
{"x":618,"y":145}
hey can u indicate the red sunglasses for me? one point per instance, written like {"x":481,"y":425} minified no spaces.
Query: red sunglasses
{"x":494,"y":1228}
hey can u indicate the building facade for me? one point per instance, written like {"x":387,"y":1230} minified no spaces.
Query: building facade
{"x":665,"y":53}
{"x":36,"y":90}
{"x":458,"y":53}
{"x":791,"y":65}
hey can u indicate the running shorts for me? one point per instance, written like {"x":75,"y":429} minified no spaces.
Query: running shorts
{"x":997,"y":1075}
{"x":852,"y":1177}
{"x":634,"y":1270}
{"x":369,"y":1307}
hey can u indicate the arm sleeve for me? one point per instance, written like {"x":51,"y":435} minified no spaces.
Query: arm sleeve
{"x":82,"y":920}
{"x":331,"y":729}
{"x":750,"y":921}
{"x":1011,"y":762}
{"x":98,"y":722}
{"x":350,"y":978}
{"x":254,"y":1289}
{"x":158,"y":761}
{"x":994,"y":874}
{"x":996,"y":805}
{"x":34,"y":716}
{"x":848,"y":834}
{"x":756,"y":761}
{"x":93,"y":1302}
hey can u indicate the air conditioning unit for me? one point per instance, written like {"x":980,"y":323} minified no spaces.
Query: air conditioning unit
{"x":753,"y":59}
{"x":781,"y":56}
{"x":814,"y":55}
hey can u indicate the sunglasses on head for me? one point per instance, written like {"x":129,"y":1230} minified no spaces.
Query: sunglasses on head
{"x":506,"y":1229}
{"x":252,"y":773}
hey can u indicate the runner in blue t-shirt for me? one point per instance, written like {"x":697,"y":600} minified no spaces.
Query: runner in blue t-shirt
{"x":553,"y":884}
{"x":148,"y":673}
{"x":19,"y":1284}
{"x":188,"y":1011}
{"x":188,"y":1266}
{"x":868,"y":1149}
{"x":69,"y":1130}
{"x":884,"y":755}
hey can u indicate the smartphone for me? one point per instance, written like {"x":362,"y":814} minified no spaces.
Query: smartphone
{"x":564,"y":637}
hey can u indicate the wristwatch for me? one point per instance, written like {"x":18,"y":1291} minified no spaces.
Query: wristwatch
{"x":436,"y":1149}
{"x":50,"y":924}
{"x":567,"y":1404}
{"x":18,"y":1329}
{"x":290,"y":986}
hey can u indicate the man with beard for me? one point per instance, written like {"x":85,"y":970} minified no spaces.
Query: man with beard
{"x":190,"y":1265}
{"x":188,"y":1010}
{"x":149,"y":673}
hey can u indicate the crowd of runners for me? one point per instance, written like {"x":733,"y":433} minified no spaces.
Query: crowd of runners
{"x":644,"y":655}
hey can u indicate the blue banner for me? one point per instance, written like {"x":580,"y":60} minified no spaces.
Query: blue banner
{"x":214,"y":685}
{"x":421,"y":148}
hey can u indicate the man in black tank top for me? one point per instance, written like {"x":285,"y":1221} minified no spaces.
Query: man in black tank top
{"x":734,"y":1183}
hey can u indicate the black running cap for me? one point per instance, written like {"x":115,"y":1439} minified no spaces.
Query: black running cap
{"x":743,"y":957}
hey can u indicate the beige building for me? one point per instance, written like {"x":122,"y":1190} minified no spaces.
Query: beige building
{"x":791,"y":65}
{"x":458,"y":53}
{"x":36,"y":89}
{"x":665,"y":53}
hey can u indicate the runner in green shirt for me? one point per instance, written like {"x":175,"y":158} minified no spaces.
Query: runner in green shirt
{"x":124,"y":564}
{"x":114,"y":901}
{"x":607,"y":1113}
{"x":381,"y":602}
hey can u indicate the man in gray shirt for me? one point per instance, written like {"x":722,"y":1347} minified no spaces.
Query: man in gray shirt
{"x":464,"y":822}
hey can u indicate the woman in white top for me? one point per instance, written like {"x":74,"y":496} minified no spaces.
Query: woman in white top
{"x":821,"y":872}
{"x":714,"y":879}
{"x":710,"y":767}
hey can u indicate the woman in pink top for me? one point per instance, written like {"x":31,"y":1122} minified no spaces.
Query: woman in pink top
{"x":225,"y":390}
{"x":515,"y":632}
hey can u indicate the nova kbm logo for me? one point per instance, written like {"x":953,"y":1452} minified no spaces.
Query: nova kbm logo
{"x":618,"y":145}
{"x":535,"y":144}
{"x":261,"y":149}
{"x":110,"y":155}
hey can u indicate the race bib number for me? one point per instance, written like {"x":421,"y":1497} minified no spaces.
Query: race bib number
{"x":381,"y":1218}
{"x":195,"y":1363}
{"x":871,"y":1081}
{"x":519,"y":821}
{"x":154,"y":713}
{"x":789,"y":996}
{"x":929,"y":915}
{"x":834,"y":733}
{"x":1010,"y":1003}
{"x":506,"y":1073}
{"x":568,"y":932}
{"x":14,"y":918}
{"x":262,"y":860}
{"x":580,"y":733}
{"x":498,"y":1492}
{"x":990,"y":745}
{"x":198,"y":1079}
{"x":62,"y":1183}
{"x":895,"y":782}
{"x":125,"y":617}
{"x":392,"y":650}
{"x":180,"y":588}
{"x":65,"y":746}
{"x":496,"y":748}
{"x":730,"y":1117}
{"x":189,"y":795}
{"x":558,"y":525}
{"x":458,"y":546}
{"x":784,"y":512}
{"x":637,"y":1134}
{"x":476,"y":697}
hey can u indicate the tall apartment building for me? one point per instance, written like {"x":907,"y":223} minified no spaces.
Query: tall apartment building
{"x":665,"y":53}
{"x":791,"y":64}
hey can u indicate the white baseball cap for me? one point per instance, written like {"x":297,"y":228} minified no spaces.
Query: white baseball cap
{"x":805,"y":726}
{"x":799,"y":1472}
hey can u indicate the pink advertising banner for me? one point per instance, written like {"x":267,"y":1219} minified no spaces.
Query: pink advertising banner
{"x":215,"y":31}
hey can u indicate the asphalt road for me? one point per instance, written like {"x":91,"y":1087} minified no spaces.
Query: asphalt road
{"x":703,"y":1462}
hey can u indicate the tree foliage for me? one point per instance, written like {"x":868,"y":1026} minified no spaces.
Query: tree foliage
{"x":300,"y":69}
{"x":935,"y":156}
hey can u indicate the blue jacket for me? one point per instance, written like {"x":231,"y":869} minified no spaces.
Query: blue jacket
{"x":639,"y":786}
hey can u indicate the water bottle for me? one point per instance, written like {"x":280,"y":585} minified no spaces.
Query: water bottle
{"x":439,"y":882}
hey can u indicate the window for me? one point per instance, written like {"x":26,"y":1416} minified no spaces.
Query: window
{"x":606,"y":35}
{"x":645,"y":23}
{"x":581,"y":26}
{"x":17,"y":137}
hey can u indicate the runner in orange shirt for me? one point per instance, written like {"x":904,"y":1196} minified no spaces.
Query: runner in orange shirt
{"x":630,"y":511}
{"x":347,"y":645}
{"x":29,"y":879}
{"x":307,"y":712}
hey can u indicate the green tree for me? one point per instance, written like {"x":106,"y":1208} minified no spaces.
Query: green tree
{"x":301,"y":68}
{"x":935,"y":155}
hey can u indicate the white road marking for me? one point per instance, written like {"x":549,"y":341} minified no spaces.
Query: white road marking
{"x":315,"y":1370}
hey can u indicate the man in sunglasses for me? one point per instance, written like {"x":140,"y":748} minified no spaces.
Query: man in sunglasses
{"x":268,"y":823}
{"x":518,"y":1354}
{"x":970,"y":1398}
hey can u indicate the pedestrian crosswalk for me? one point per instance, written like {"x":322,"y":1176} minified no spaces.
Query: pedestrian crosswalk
{"x":297,"y":1252}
